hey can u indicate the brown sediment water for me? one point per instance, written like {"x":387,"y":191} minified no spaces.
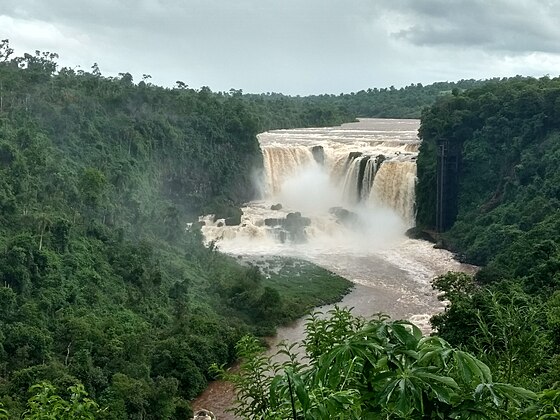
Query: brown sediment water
{"x":381,"y":285}
{"x":218,"y":398}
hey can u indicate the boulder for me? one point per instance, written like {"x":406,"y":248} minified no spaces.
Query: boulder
{"x":233,"y":221}
{"x":354,"y":155}
{"x":281,"y":235}
{"x":204,"y":415}
{"x":318,"y":154}
{"x":276,"y":207}
{"x":296,"y":220}
{"x":293,"y":225}
{"x":273,"y":221}
{"x":417,"y":233}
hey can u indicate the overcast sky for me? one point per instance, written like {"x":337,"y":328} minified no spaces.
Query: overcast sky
{"x":292,"y":46}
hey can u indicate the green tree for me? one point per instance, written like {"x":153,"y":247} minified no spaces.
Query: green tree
{"x":46,"y":404}
{"x":92,"y":184}
{"x":370,"y":369}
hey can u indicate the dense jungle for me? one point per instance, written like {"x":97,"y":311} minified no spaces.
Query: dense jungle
{"x":112,"y":308}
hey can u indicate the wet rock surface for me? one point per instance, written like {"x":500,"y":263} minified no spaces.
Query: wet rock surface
{"x":204,"y":415}
{"x":233,"y":221}
{"x":318,"y":154}
{"x":293,"y":226}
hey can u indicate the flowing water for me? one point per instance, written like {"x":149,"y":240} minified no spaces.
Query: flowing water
{"x":343,"y":198}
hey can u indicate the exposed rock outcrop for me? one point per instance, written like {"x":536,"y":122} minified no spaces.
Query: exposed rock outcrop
{"x":318,"y":154}
{"x":204,"y":415}
{"x":293,"y":225}
{"x":345,"y":217}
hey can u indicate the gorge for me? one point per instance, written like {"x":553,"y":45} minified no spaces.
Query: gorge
{"x":343,"y":198}
{"x":103,"y":289}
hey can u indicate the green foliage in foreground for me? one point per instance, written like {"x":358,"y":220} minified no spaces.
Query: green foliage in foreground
{"x":376,"y":369}
{"x":507,"y":329}
{"x":512,"y":332}
{"x":46,"y":404}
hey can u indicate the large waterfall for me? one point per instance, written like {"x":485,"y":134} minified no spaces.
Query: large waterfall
{"x":343,"y":198}
{"x":350,"y":185}
{"x":353,"y":173}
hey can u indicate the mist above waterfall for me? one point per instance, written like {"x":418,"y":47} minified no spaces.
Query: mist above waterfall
{"x":336,"y":222}
{"x":309,"y":190}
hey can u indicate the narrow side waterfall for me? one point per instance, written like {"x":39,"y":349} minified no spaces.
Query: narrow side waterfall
{"x":394,"y":186}
{"x":280,"y":163}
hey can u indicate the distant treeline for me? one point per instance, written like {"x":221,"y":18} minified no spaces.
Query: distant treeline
{"x":275,"y":110}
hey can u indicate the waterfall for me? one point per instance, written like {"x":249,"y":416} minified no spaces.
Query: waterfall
{"x":349,"y":186}
{"x":369,"y":179}
{"x":394,"y":187}
{"x":283,"y":162}
{"x":362,"y":177}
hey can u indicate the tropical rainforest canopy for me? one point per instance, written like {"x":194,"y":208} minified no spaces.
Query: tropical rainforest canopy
{"x":507,"y":221}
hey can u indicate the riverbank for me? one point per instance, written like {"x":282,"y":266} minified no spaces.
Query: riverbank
{"x":395,"y":281}
{"x":302,"y":286}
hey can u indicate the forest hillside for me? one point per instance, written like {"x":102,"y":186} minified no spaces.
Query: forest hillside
{"x":507,"y":220}
{"x":100,"y":283}
{"x":103,"y":289}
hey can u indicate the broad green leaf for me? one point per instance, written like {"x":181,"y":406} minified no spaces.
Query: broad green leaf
{"x":470,"y":369}
{"x":429,"y":377}
{"x":274,"y":397}
{"x":402,"y":332}
{"x":514,"y":393}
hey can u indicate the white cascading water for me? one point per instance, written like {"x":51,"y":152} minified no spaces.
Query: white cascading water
{"x":366,"y":168}
{"x":353,"y":190}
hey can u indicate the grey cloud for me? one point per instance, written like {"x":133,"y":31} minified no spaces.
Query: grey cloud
{"x":502,"y":25}
{"x":265,"y":26}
